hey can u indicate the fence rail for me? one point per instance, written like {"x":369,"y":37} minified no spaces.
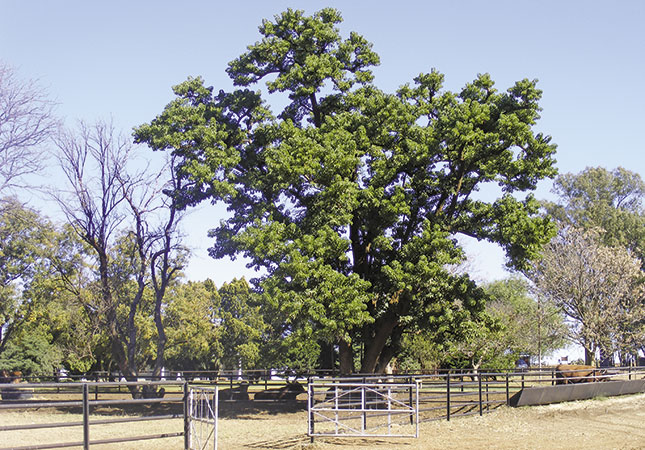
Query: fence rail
{"x":440,"y":396}
{"x":86,"y":404}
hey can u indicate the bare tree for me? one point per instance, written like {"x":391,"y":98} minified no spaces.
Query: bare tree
{"x":598,"y":288}
{"x":159,"y":252}
{"x":26,"y":121}
{"x":104,"y":200}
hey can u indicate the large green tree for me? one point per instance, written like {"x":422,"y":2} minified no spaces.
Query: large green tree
{"x":350,"y":198}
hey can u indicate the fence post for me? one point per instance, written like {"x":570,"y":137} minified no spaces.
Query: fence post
{"x":508,"y":398}
{"x":479,"y":382}
{"x":363,"y":408}
{"x":418,"y":385}
{"x":336,"y":407}
{"x":186,"y":417}
{"x":216,"y":417}
{"x":96,"y":387}
{"x":86,"y":417}
{"x":522,"y":381}
{"x":310,"y":404}
{"x":630,"y":372}
{"x":448,"y":396}
{"x":552,"y":377}
{"x":409,"y":381}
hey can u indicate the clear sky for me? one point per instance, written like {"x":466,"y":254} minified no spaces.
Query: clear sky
{"x":119,"y":59}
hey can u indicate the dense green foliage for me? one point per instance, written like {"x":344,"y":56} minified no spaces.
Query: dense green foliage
{"x":514,"y":325}
{"x":533,"y":325}
{"x":350,"y":197}
{"x":611,"y":201}
{"x":24,"y":246}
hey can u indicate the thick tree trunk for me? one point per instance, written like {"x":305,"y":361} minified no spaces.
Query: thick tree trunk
{"x":588,"y":357}
{"x":131,"y":327}
{"x":161,"y":348}
{"x":346,"y":357}
{"x":375,"y":346}
{"x":390,"y":350}
{"x":326,"y":359}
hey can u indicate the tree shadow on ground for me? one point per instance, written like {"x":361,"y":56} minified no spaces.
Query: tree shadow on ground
{"x":227,"y":409}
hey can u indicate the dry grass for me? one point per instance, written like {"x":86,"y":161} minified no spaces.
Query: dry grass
{"x":615,"y":423}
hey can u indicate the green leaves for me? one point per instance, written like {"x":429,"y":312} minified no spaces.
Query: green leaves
{"x":307,"y":56}
{"x":350,"y":198}
{"x":608,"y":200}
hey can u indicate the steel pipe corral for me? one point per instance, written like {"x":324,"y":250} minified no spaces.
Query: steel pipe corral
{"x":579,"y":391}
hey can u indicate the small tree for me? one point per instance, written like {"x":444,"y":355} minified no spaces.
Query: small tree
{"x":242,"y":325}
{"x":532,"y":326}
{"x":192,"y":326}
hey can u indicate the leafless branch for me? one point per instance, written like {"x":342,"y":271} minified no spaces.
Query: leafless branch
{"x":26,"y":122}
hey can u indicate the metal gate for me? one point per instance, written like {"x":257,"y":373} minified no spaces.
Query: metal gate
{"x":202,"y":418}
{"x":363,"y":409}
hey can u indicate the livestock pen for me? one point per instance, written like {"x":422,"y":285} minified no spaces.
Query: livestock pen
{"x":440,"y":396}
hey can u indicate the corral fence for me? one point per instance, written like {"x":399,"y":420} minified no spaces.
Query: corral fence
{"x":197,"y":406}
{"x":363,"y":404}
{"x":441,"y":396}
{"x":354,"y":409}
{"x":394,"y":406}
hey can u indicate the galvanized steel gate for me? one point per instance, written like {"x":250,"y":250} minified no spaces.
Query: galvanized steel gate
{"x":363,"y":409}
{"x":202,"y":418}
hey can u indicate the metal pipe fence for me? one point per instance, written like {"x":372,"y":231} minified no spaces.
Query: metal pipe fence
{"x":358,"y":409}
{"x":20,"y":397}
{"x":440,"y":396}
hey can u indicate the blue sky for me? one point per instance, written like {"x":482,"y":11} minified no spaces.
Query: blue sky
{"x":119,"y":59}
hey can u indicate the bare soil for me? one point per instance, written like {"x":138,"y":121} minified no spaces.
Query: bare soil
{"x":613,"y":423}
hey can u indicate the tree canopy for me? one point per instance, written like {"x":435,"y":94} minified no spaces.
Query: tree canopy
{"x":599,"y":288}
{"x":349,"y":197}
{"x":608,"y":200}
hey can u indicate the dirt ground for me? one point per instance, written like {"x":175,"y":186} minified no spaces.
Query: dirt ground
{"x":613,"y":423}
